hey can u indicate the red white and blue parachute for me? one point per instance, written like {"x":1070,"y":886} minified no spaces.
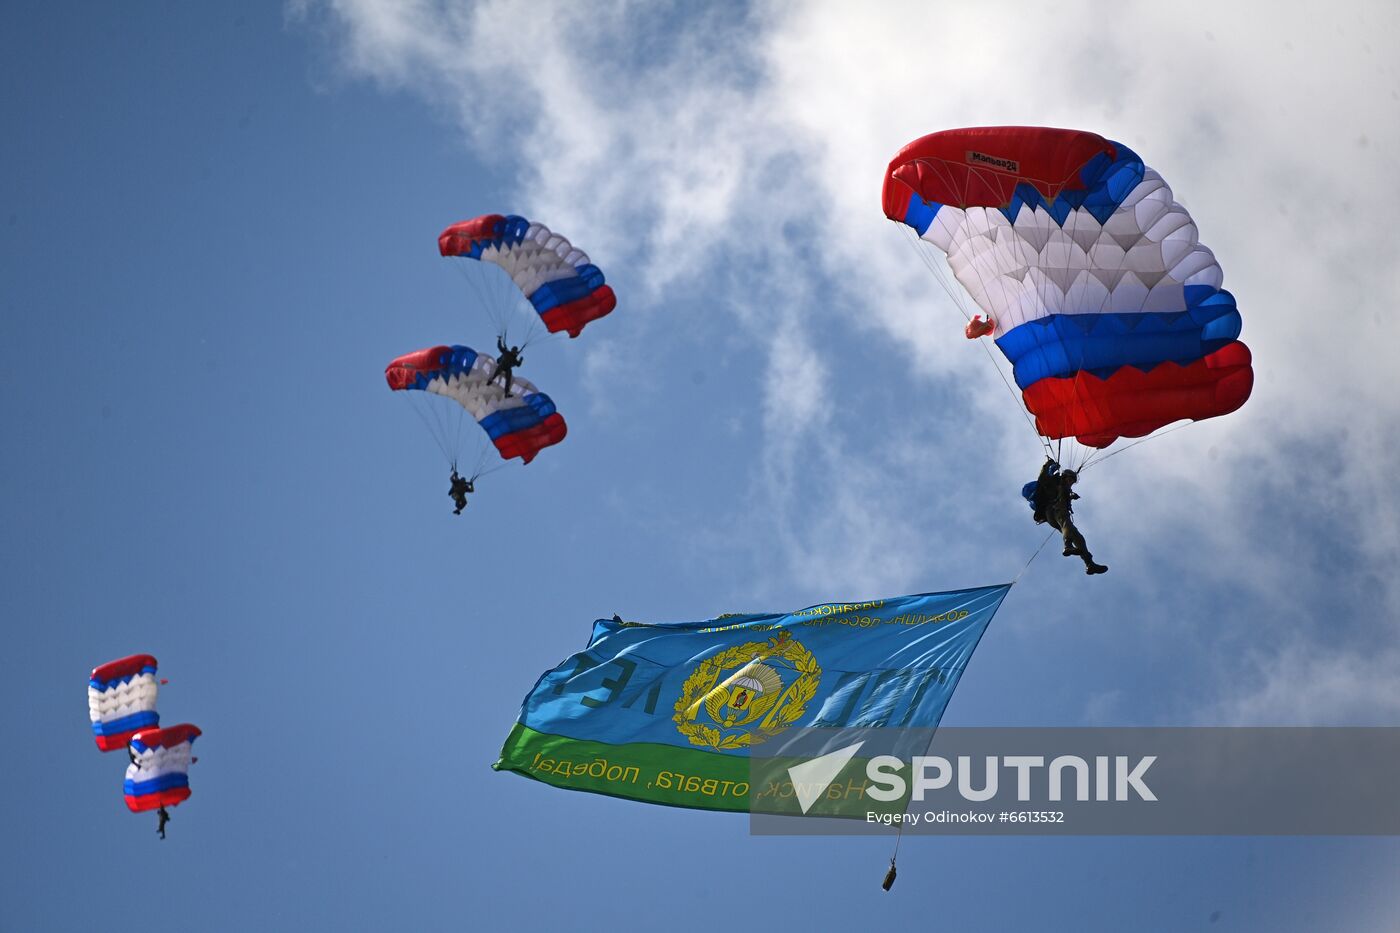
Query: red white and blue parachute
{"x":520,"y":424}
{"x":159,"y":773}
{"x":122,"y":700}
{"x":565,"y":288}
{"x":1101,"y":295}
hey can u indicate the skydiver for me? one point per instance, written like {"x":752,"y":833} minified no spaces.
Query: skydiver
{"x":164,"y":818}
{"x":459,"y":490}
{"x":506,"y":362}
{"x":1054,"y":494}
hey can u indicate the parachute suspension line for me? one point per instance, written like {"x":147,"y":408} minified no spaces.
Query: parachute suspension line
{"x":1115,"y":276}
{"x":457,"y":433}
{"x":432,"y":432}
{"x":509,"y":302}
{"x":443,"y":420}
{"x":952,"y":292}
{"x":534,"y":323}
{"x":478,"y":469}
{"x":1142,"y":440}
{"x":1117,"y":273}
{"x":1019,"y":404}
{"x":533,"y":330}
{"x":472,"y":271}
{"x":514,"y":303}
{"x":507,"y":299}
{"x":955,"y":289}
{"x":933,"y":267}
{"x":1079,"y":454}
{"x":420,"y":409}
{"x":483,"y":456}
{"x":483,"y":470}
{"x":445,"y":431}
{"x":436,"y":425}
{"x":497,"y":295}
{"x":1077,"y":365}
{"x":501,"y":301}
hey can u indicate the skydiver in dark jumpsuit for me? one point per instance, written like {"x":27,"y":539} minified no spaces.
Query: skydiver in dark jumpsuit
{"x":459,"y":490}
{"x":506,"y":362}
{"x":1053,"y":497}
{"x":164,"y":818}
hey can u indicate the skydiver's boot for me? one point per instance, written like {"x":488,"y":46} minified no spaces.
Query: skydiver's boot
{"x":1092,"y":568}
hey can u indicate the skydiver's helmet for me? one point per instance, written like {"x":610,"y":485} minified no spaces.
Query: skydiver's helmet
{"x":1069,"y":477}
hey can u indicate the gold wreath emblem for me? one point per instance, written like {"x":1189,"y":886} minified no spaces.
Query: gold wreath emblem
{"x":741,"y":692}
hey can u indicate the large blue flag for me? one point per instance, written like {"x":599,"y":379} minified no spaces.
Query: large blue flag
{"x":669,"y":713}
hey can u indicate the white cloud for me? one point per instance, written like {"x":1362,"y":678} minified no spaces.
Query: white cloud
{"x":1301,"y":684}
{"x":730,"y":149}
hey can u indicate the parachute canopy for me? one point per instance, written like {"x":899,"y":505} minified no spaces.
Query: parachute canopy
{"x":122,"y":700}
{"x":159,"y":773}
{"x":1107,"y":305}
{"x":567,"y":290}
{"x":520,"y":424}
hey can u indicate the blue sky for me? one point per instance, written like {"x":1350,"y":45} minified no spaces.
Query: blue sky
{"x":217,"y":228}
